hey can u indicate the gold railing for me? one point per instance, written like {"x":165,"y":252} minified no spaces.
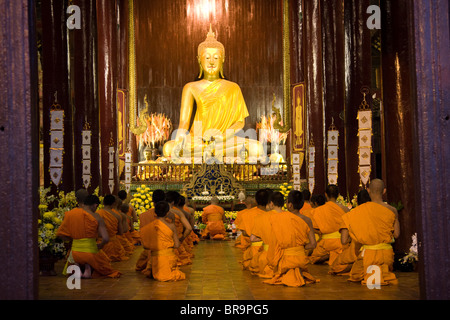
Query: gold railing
{"x":181,"y":173}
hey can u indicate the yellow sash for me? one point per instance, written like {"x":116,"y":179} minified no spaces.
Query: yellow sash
{"x":87,"y":245}
{"x":380,"y":246}
{"x":163,"y":253}
{"x":257,"y":244}
{"x":266,"y":247}
{"x":334,"y":235}
{"x":294,"y":251}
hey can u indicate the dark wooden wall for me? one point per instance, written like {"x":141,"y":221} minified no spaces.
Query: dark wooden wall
{"x":167,"y":37}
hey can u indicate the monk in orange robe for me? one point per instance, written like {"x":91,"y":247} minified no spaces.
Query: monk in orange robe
{"x":317,"y":200}
{"x":160,"y":238}
{"x":291,"y":235}
{"x":246,"y":225}
{"x":374,"y":225}
{"x":241,"y":241}
{"x":131,"y":213}
{"x":113,"y":249}
{"x":214,"y":217}
{"x":327,"y":220}
{"x":193,"y":236}
{"x":179,"y":208}
{"x":262,"y":231}
{"x":350,"y":251}
{"x":183,"y":228}
{"x":143,"y":262}
{"x":83,"y":225}
{"x":306,"y":203}
{"x":124,"y":237}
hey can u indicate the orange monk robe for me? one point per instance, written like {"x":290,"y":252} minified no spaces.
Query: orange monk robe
{"x":310,"y":213}
{"x":241,"y":241}
{"x":213,"y":217}
{"x":184,"y":256}
{"x":372,"y":225}
{"x":344,"y":261}
{"x":328,"y":219}
{"x":306,"y":206}
{"x":247,"y":223}
{"x":157,"y":237}
{"x":144,"y":219}
{"x":263,"y":230}
{"x":286,"y":250}
{"x":126,"y":244}
{"x":113,"y":249}
{"x":135,"y":237}
{"x":193,"y":236}
{"x":79,"y":224}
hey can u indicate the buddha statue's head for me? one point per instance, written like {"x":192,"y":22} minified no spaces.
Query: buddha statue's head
{"x":211,"y":56}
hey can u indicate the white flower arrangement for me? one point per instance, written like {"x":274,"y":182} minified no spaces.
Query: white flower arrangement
{"x":208,"y":198}
{"x":413,"y":254}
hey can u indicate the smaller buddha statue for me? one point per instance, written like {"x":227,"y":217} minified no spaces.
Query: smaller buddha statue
{"x":147,"y":172}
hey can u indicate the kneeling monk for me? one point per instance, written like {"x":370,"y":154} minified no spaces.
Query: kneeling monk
{"x":83,"y":225}
{"x":160,"y":237}
{"x":214,"y":217}
{"x":373,"y":225}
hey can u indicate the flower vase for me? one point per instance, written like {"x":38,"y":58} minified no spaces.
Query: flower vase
{"x":47,"y":264}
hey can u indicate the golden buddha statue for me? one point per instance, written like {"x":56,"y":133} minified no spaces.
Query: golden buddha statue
{"x":221,"y":112}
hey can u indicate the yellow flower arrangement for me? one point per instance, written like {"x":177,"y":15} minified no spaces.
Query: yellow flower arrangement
{"x":285,"y":188}
{"x":50,"y":220}
{"x":142,"y":199}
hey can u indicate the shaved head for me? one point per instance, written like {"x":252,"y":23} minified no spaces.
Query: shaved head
{"x":376,"y":187}
{"x":214,"y":200}
{"x":81,"y":195}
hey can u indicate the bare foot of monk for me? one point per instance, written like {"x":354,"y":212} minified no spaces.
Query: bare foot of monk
{"x":87,"y":272}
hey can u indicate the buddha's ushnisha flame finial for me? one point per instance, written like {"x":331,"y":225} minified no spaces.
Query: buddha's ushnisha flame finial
{"x":211,"y":42}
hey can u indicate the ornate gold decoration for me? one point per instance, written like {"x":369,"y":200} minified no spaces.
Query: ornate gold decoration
{"x":286,"y":74}
{"x":214,"y":178}
{"x":137,"y":130}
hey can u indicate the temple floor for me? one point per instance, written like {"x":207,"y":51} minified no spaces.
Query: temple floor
{"x":217,"y":275}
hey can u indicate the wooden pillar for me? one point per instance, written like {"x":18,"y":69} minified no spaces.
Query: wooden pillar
{"x":19,"y":151}
{"x":107,"y":89}
{"x":314,"y":87}
{"x":429,"y":26}
{"x":333,"y":77}
{"x":85,"y":100}
{"x":55,"y":82}
{"x":357,"y":75}
{"x":398,"y":116}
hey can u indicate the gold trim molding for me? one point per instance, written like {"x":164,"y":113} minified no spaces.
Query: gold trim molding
{"x":137,"y":130}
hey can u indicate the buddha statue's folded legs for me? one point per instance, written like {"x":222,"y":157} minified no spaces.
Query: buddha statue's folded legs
{"x":251,"y":149}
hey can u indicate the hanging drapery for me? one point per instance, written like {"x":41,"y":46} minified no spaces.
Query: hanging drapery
{"x":86,"y":148}
{"x":333,"y":148}
{"x":311,"y":165}
{"x":56,"y":142}
{"x":365,"y":140}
